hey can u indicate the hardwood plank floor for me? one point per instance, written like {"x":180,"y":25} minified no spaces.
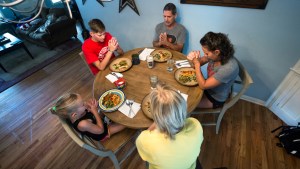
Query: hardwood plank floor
{"x":30,"y":137}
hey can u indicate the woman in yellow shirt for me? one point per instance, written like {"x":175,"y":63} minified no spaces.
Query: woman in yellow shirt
{"x":173,"y":140}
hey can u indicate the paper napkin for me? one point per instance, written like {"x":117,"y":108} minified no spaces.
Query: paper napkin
{"x":113,"y":78}
{"x":125,"y":109}
{"x":145,"y":53}
{"x":182,"y":63}
{"x":185,"y":96}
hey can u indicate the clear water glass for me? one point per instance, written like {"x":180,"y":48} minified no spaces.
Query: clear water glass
{"x":153,"y":81}
{"x":170,"y":65}
{"x":150,"y":61}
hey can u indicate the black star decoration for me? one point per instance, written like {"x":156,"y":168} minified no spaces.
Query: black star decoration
{"x":100,"y":2}
{"x":130,"y":3}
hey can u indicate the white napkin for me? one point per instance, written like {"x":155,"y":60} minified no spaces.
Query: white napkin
{"x":113,"y":78}
{"x":185,"y":96}
{"x":145,"y":53}
{"x":182,"y":63}
{"x":125,"y":109}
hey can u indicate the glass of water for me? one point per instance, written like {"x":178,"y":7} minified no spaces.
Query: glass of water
{"x":170,"y":65}
{"x":153,"y":81}
{"x":150,"y":61}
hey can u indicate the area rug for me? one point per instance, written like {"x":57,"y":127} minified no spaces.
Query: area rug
{"x":20,"y":65}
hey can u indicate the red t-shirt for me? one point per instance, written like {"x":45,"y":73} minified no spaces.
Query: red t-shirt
{"x":94,"y":51}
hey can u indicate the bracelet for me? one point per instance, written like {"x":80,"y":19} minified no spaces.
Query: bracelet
{"x":111,"y":51}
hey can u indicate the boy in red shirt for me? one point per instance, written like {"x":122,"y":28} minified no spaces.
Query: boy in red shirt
{"x":100,"y":47}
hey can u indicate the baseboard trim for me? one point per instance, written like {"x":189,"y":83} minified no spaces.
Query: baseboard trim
{"x":253,"y":100}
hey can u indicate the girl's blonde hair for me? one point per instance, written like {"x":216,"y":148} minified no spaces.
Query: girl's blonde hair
{"x":65,"y":105}
{"x":169,"y":110}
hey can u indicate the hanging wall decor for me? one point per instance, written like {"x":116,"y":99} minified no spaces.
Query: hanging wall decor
{"x":257,"y":4}
{"x":100,"y":2}
{"x":130,"y":3}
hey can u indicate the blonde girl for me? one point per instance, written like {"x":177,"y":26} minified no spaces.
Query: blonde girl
{"x":84,"y":116}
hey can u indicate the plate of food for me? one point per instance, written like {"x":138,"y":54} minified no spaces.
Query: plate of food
{"x":120,"y":65}
{"x":186,"y":76}
{"x":111,"y":100}
{"x":161,"y":55}
{"x":146,"y":106}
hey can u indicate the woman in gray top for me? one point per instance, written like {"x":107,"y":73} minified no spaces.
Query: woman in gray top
{"x":222,"y":69}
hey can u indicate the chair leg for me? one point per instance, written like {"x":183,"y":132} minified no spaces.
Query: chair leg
{"x":114,"y":159}
{"x":219,"y":120}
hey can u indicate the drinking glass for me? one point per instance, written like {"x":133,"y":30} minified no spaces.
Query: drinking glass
{"x":150,"y":61}
{"x":153,"y":81}
{"x":170,"y":65}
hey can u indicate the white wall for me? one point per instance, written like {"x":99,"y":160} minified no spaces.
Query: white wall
{"x":266,"y":41}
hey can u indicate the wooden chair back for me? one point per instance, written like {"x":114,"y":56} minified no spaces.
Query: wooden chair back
{"x":245,"y":81}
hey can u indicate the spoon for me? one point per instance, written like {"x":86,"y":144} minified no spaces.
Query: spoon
{"x":129,"y":103}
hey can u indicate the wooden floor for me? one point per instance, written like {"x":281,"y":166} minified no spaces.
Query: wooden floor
{"x":30,"y":137}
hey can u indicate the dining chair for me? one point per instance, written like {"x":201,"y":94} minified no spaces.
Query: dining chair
{"x":108,"y":148}
{"x":83,"y":58}
{"x":245,"y":81}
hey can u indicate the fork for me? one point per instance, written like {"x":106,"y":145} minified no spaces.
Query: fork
{"x":182,"y":63}
{"x":113,"y":73}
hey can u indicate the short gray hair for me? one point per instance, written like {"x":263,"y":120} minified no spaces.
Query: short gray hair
{"x":169,"y":110}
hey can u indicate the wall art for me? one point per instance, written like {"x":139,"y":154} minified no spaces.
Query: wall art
{"x":257,"y":4}
{"x":130,"y":3}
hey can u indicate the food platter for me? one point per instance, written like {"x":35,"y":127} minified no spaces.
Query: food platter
{"x":146,"y":106}
{"x":186,"y":76}
{"x":161,"y":55}
{"x":111,"y":100}
{"x":120,"y":65}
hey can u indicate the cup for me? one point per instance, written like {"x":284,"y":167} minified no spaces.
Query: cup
{"x":135,"y":59}
{"x":150,"y":61}
{"x":153,"y":81}
{"x":170,"y":65}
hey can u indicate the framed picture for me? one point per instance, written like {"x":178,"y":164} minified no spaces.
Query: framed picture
{"x":257,"y":4}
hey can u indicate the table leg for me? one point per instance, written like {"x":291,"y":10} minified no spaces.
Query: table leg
{"x":27,"y":51}
{"x":3,"y":68}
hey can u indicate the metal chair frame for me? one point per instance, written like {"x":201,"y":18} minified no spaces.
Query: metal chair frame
{"x":107,"y":148}
{"x":245,"y":81}
{"x":83,"y":58}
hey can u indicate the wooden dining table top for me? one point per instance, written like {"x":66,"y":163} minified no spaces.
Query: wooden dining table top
{"x":138,"y":86}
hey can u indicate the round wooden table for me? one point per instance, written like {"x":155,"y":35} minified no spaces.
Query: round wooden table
{"x":138,"y":86}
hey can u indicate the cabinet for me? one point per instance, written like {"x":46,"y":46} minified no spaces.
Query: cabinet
{"x":285,"y":101}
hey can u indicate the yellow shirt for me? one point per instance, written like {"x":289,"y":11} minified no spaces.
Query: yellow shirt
{"x":164,"y":153}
